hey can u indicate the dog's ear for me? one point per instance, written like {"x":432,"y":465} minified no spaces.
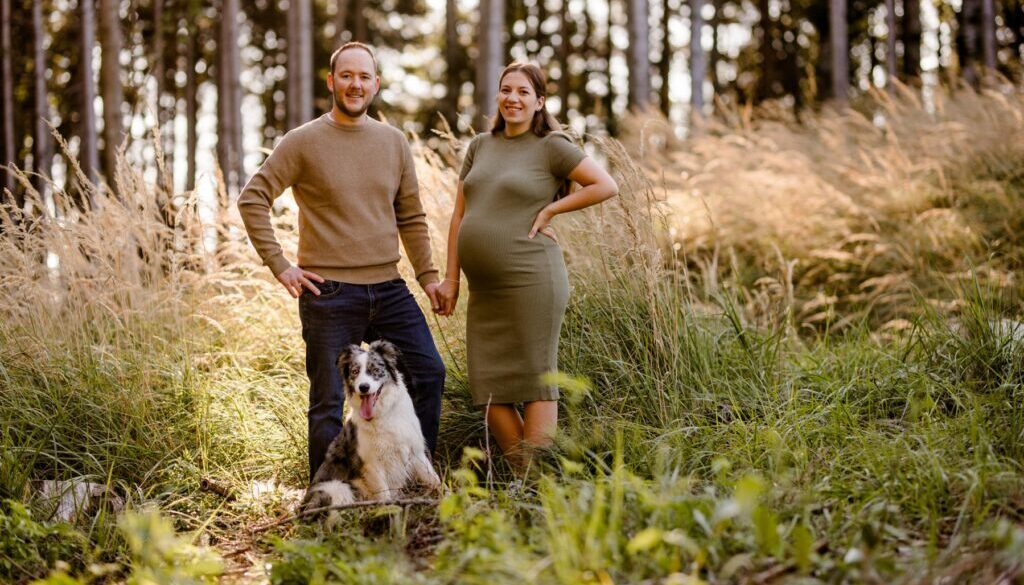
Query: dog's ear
{"x":345,"y":358}
{"x":387,"y":350}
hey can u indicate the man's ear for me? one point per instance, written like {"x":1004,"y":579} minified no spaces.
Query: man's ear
{"x":330,"y":81}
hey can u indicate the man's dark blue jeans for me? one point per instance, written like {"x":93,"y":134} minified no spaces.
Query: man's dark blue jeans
{"x":344,"y":314}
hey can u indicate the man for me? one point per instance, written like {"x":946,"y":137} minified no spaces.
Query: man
{"x":354,"y":181}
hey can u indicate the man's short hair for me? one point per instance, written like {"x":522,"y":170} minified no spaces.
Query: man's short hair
{"x":354,"y":45}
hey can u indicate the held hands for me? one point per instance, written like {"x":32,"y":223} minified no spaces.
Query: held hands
{"x":295,"y":279}
{"x":543,"y":225}
{"x":431,"y":290}
{"x":447,"y":296}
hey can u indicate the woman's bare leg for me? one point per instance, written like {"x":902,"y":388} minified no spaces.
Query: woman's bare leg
{"x":506,"y":425}
{"x":539,"y":426}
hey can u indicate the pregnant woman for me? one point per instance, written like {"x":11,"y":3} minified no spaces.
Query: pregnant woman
{"x":514,"y":180}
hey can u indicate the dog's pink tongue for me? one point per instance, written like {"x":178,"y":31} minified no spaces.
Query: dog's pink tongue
{"x":366,"y":406}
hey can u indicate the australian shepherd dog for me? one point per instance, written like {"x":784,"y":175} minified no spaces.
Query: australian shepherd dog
{"x":380,"y":448}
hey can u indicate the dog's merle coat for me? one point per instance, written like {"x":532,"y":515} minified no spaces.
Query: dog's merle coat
{"x":380,"y":447}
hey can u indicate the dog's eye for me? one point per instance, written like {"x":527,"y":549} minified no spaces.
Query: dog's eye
{"x":376,"y":371}
{"x":355,"y":369}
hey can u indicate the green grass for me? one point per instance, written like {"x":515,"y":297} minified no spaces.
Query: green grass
{"x":706,"y":434}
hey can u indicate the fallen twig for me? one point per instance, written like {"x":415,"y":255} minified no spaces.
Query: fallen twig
{"x":366,"y":504}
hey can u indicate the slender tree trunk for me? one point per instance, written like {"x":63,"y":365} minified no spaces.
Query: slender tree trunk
{"x":359,"y":32}
{"x":42,"y":144}
{"x":665,"y":60}
{"x":988,"y":35}
{"x":698,"y":59}
{"x":564,"y":51}
{"x":638,"y":55}
{"x":716,"y":54}
{"x":890,"y":44}
{"x":110,"y":82}
{"x":491,"y":58}
{"x":191,"y":108}
{"x":611,"y":122}
{"x":300,"y":63}
{"x":88,"y":152}
{"x":340,"y":23}
{"x":840,"y":51}
{"x":7,"y":154}
{"x":160,"y":77}
{"x":912,"y":40}
{"x":229,"y":98}
{"x":769,"y":57}
{"x":968,"y":46}
{"x":452,"y":52}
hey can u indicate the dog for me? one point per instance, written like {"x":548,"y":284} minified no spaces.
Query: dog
{"x":380,"y":447}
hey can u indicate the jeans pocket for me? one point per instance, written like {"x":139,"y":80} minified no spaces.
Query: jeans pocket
{"x":328,"y":289}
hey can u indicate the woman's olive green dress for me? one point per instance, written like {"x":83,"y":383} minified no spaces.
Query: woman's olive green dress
{"x":518,"y":287}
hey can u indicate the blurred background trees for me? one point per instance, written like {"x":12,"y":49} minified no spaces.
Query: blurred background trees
{"x":223,"y":79}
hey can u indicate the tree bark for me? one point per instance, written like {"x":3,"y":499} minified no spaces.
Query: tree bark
{"x":340,"y":23}
{"x":110,"y":82}
{"x":890,"y":44}
{"x":665,"y":60}
{"x":452,"y":52}
{"x":564,"y":51}
{"x":638,"y":55}
{"x":840,"y":51}
{"x":42,"y":144}
{"x":191,"y":109}
{"x":968,"y":45}
{"x":300,"y":63}
{"x":988,"y":35}
{"x":608,"y":101}
{"x":698,"y":59}
{"x":911,"y":40}
{"x":7,"y":154}
{"x":88,"y":152}
{"x":229,"y":99}
{"x":490,"y":60}
{"x":716,"y":55}
{"x":359,"y":32}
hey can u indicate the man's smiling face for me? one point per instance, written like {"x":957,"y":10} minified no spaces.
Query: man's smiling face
{"x":354,"y":82}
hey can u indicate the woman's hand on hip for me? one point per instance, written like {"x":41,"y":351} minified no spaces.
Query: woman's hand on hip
{"x":542,"y":225}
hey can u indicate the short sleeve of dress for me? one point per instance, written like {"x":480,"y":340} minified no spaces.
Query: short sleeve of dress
{"x":467,"y":161}
{"x":563,"y":154}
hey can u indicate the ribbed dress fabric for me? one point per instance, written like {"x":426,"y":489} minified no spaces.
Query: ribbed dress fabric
{"x":518,"y":287}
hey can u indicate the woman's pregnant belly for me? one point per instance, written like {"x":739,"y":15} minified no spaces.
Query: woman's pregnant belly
{"x":497,"y":256}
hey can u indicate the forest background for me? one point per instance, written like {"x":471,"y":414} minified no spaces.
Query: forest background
{"x":793,"y":352}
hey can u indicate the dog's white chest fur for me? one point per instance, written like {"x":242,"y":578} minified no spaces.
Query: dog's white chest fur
{"x":391,"y":447}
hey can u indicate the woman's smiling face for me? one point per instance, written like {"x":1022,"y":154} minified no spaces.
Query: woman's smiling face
{"x":517,"y":100}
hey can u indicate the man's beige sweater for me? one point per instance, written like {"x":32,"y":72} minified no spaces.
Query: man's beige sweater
{"x":357,"y":194}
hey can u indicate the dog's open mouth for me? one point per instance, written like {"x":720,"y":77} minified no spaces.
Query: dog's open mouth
{"x":366,"y":404}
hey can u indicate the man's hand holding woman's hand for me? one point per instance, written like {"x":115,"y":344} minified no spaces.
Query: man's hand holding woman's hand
{"x":295,"y":279}
{"x":447,"y":296}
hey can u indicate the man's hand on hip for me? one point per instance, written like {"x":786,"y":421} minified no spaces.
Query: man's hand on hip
{"x":295,"y":279}
{"x":431,"y":290}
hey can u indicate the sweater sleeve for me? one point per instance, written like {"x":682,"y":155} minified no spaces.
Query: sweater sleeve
{"x":277,"y":173}
{"x":412,"y":221}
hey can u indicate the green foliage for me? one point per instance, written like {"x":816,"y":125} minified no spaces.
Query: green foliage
{"x":29,"y":548}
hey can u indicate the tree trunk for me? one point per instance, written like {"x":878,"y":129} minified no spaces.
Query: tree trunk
{"x":110,"y":82}
{"x":564,"y":51}
{"x":968,"y":44}
{"x":452,"y":51}
{"x":340,"y":23}
{"x":890,"y":44}
{"x":767,"y":87}
{"x":359,"y":32}
{"x":716,"y":55}
{"x":698,"y":59}
{"x":988,"y":35}
{"x":229,"y":97}
{"x":300,"y":63}
{"x":611,"y":123}
{"x":191,"y":108}
{"x":840,"y":51}
{"x":490,"y":59}
{"x":638,"y":55}
{"x":7,"y":155}
{"x":665,"y":60}
{"x":912,"y":40}
{"x":160,"y":77}
{"x":88,"y":153}
{"x":42,"y":153}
